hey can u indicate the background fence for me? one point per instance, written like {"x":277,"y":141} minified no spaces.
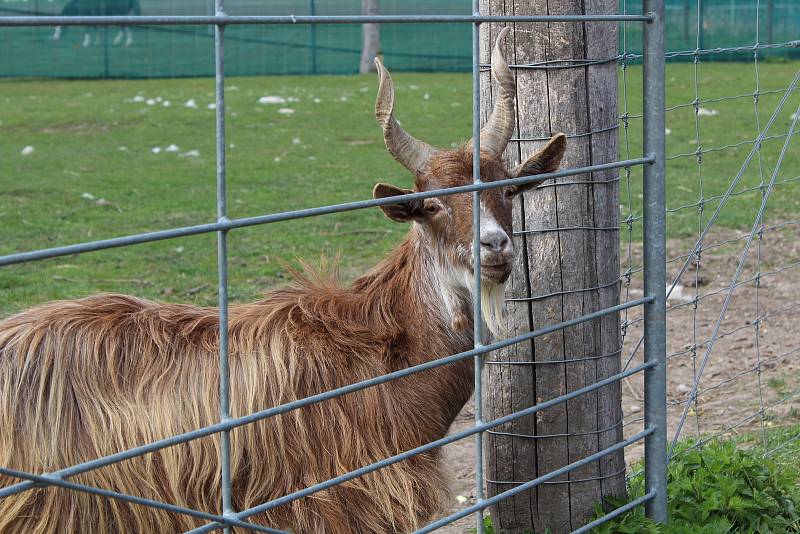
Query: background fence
{"x":732,"y":256}
{"x":165,"y":51}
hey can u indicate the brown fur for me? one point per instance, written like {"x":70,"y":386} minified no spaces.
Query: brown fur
{"x":86,"y":378}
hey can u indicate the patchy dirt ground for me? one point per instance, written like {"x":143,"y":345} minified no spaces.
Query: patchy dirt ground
{"x":749,"y":378}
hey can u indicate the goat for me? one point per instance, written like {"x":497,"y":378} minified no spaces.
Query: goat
{"x":85,"y":378}
{"x":98,"y":8}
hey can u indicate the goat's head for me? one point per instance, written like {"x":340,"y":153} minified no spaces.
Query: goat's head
{"x":447,"y":220}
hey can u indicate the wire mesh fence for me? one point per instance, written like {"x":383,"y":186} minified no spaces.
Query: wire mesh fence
{"x":731,"y":255}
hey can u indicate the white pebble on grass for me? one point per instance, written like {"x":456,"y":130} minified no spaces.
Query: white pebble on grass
{"x":156,"y":150}
{"x":293,"y":99}
{"x":296,"y":141}
{"x":122,"y":148}
{"x":426,"y":96}
{"x":413,"y":87}
{"x":87,"y":196}
{"x":191,"y":103}
{"x":138,"y":98}
{"x":172,"y":148}
{"x":317,"y":100}
{"x":703,"y":112}
{"x":150,"y":102}
{"x":212,"y":106}
{"x":277,"y":159}
{"x":343,"y":98}
{"x":166,"y":103}
{"x":191,"y":154}
{"x":667,"y":131}
{"x":286,"y":111}
{"x":159,"y":99}
{"x":271,"y":100}
{"x":27,"y":151}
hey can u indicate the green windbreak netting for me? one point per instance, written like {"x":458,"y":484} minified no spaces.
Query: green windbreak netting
{"x":166,"y":51}
{"x":724,"y":24}
{"x":173,"y":51}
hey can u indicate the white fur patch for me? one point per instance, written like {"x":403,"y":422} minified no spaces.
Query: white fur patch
{"x":455,"y":284}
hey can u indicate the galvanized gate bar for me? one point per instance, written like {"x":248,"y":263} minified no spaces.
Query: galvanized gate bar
{"x":655,"y":256}
{"x":303,"y":19}
{"x":185,"y":231}
{"x":538,"y":481}
{"x":439,"y":443}
{"x":49,"y":480}
{"x":615,"y":513}
{"x":222,"y":262}
{"x":477,"y":315}
{"x":319,"y":397}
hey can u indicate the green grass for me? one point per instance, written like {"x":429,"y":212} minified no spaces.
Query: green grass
{"x":78,"y":128}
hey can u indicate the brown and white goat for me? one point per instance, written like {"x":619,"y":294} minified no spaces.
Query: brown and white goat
{"x":85,"y":378}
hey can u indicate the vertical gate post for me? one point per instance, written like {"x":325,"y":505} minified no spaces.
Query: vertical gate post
{"x":222,"y":261}
{"x":477,"y":321}
{"x":655,"y":313}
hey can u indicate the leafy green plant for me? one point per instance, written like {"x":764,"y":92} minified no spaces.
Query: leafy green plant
{"x":718,"y":489}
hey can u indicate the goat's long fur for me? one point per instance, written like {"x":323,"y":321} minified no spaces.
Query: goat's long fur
{"x":86,"y":378}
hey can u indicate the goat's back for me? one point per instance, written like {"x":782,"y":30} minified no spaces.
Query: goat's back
{"x":86,"y":378}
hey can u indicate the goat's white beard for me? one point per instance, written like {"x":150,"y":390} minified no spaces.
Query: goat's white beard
{"x":455,"y":286}
{"x":493,"y":308}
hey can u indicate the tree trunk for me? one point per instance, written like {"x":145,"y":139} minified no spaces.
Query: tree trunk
{"x":560,"y":274}
{"x":370,"y":38}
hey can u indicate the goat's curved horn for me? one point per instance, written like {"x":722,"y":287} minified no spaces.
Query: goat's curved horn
{"x":498,"y":130}
{"x":412,"y":153}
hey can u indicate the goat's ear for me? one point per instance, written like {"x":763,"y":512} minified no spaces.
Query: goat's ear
{"x":545,"y":161}
{"x":411,"y":210}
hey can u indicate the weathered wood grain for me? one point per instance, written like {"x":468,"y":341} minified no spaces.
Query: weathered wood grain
{"x":554,"y":273}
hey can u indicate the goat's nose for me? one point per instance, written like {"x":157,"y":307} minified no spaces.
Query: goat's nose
{"x":494,"y":240}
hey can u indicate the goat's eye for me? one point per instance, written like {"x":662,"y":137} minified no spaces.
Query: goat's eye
{"x":511,"y":191}
{"x":431,"y":207}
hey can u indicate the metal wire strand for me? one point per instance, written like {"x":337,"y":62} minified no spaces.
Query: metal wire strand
{"x":739,"y":268}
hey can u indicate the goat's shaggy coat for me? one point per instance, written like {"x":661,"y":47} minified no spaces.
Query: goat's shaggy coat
{"x":110,"y":372}
{"x":87,"y":378}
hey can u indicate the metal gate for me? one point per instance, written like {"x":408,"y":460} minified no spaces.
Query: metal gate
{"x":653,"y":301}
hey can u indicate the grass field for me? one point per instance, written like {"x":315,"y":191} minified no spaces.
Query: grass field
{"x":93,"y":173}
